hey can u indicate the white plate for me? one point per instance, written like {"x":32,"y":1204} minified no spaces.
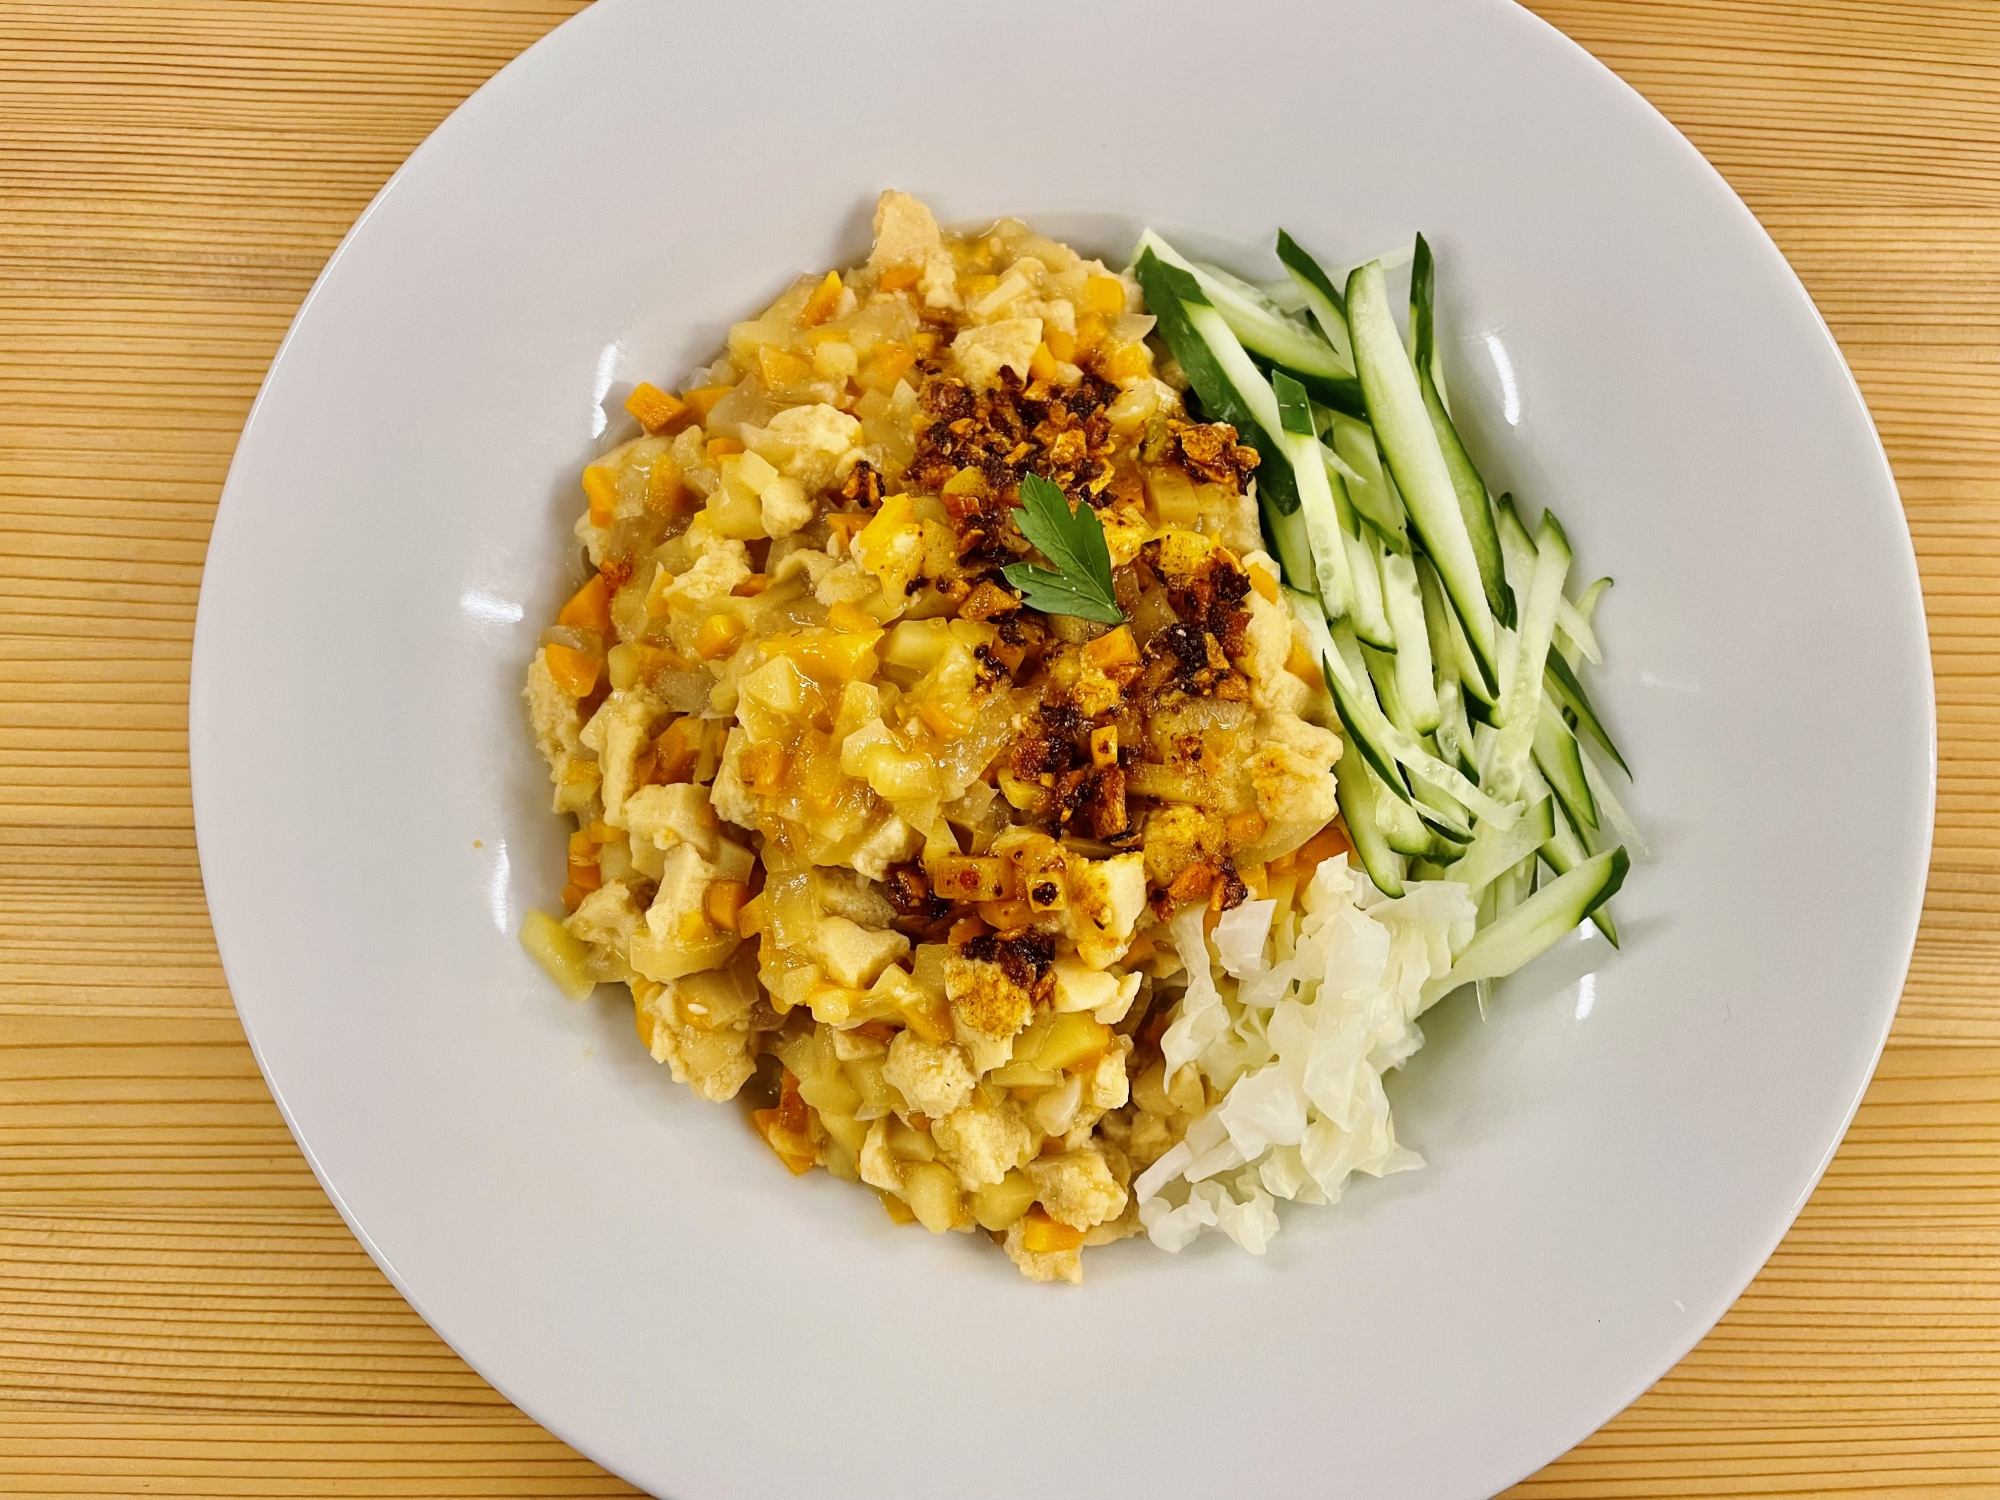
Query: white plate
{"x":1612,"y":1154}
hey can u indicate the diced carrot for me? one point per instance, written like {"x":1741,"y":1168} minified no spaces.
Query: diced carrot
{"x":899,"y":278}
{"x":1042,"y":363}
{"x":1324,"y":845}
{"x":930,"y":1018}
{"x":723,"y":447}
{"x":888,"y":364}
{"x":1104,"y":295}
{"x":752,"y":586}
{"x":1090,"y":331}
{"x":1006,"y":916}
{"x":589,"y":608}
{"x":716,"y":636}
{"x":572,"y":897}
{"x":899,"y":1212}
{"x":600,"y":486}
{"x":1041,"y":1235}
{"x":702,"y":400}
{"x":842,"y":527}
{"x":655,"y":409}
{"x":585,"y":875}
{"x":1130,"y":362}
{"x":753,"y":918}
{"x":723,"y":902}
{"x":764,"y":767}
{"x":583,"y":846}
{"x":793,"y":1147}
{"x":1265,"y":585}
{"x":1061,"y":345}
{"x":575,"y":671}
{"x":851,"y":617}
{"x":664,"y":490}
{"x":1113,"y":649}
{"x":1253,"y":876}
{"x":821,"y":304}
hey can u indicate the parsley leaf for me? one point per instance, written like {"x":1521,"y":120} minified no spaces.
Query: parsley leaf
{"x":1080,"y":585}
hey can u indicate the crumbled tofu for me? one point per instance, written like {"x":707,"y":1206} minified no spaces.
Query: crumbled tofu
{"x":606,"y":918}
{"x":982,"y":1142}
{"x":892,"y":843}
{"x":714,"y":1063}
{"x":878,"y":1165}
{"x":815,"y":439}
{"x":988,"y":1009}
{"x":1106,"y":897}
{"x":714,"y":574}
{"x":850,"y":894}
{"x":619,"y":732}
{"x":558,"y":727}
{"x":1178,"y":835}
{"x":1105,"y":1085}
{"x":1081,"y":988}
{"x":984,"y":351}
{"x":853,"y":955}
{"x":785,"y":506}
{"x":730,"y":798}
{"x":906,"y":234}
{"x":1292,"y":788}
{"x":1077,"y":1188}
{"x":810,"y":561}
{"x":1058,"y":1265}
{"x":676,"y":913}
{"x":933,"y":1076}
{"x":664,"y":816}
{"x":847,"y":582}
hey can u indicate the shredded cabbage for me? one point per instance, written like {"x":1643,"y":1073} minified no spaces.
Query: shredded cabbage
{"x":1296,"y":1031}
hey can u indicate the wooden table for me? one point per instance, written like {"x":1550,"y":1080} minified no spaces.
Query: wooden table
{"x":182,"y":1313}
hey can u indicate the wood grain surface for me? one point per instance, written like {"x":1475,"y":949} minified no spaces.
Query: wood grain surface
{"x":182,"y":1313}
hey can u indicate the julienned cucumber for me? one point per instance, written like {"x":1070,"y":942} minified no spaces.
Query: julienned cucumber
{"x":1323,"y":299}
{"x":1266,"y":331}
{"x":1359,"y":796}
{"x":1473,"y":504}
{"x":1568,"y":693}
{"x":1558,"y":758}
{"x":1496,"y":850}
{"x":1531,"y":928}
{"x":1409,"y":443}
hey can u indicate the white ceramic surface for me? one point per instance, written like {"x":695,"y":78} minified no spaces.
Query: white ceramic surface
{"x":1612,"y":1154}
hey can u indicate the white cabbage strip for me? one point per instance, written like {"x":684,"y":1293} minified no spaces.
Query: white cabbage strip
{"x":1296,"y":1029}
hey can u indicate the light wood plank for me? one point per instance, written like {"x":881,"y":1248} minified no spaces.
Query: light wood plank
{"x":180,"y":1310}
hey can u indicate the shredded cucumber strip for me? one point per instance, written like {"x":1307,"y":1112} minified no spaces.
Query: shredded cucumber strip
{"x":1399,"y":747}
{"x":1475,"y":508}
{"x":1322,"y":298}
{"x":1369,"y":486}
{"x":1531,"y":649}
{"x":1493,"y":851}
{"x":1530,"y":929}
{"x":1403,"y":603}
{"x":1403,"y":428}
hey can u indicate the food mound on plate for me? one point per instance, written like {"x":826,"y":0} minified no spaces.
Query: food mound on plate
{"x":946,"y":762}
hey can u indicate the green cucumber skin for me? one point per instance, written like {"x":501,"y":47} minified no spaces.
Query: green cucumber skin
{"x":1525,"y":933}
{"x":1357,"y":806}
{"x":1558,"y":758}
{"x":1564,"y":687}
{"x":1428,"y":494}
{"x":1563,"y":851}
{"x":1473,"y":502}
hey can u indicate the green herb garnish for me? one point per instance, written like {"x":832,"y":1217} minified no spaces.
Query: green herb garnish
{"x":1080,"y":584}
